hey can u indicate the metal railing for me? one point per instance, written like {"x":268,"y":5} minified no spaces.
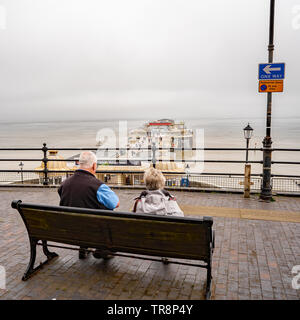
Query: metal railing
{"x":218,"y":181}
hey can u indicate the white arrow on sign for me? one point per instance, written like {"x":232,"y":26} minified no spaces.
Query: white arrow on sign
{"x":267,"y":69}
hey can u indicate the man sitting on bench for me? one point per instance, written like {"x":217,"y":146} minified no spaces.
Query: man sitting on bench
{"x":84,"y":190}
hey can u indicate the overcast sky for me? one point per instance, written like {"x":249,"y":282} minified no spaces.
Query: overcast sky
{"x":139,"y":59}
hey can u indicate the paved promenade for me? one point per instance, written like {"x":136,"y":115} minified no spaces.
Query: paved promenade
{"x":257,"y":244}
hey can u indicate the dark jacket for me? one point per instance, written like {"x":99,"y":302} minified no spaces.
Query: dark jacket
{"x":80,"y":190}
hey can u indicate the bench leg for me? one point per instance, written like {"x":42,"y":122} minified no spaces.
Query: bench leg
{"x":208,"y":283}
{"x":165,"y":260}
{"x":30,"y":269}
{"x":48,"y":254}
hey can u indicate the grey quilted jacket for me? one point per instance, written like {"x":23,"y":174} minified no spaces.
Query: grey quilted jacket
{"x":159,"y":202}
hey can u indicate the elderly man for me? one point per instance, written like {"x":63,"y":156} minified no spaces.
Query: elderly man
{"x":84,"y":190}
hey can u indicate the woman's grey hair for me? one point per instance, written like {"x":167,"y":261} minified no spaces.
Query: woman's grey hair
{"x":87,"y":159}
{"x":154,"y":179}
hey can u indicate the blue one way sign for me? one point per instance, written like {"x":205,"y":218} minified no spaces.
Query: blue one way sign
{"x":272,"y":71}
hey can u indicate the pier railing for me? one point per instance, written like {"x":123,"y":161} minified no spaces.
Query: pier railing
{"x":289,"y":184}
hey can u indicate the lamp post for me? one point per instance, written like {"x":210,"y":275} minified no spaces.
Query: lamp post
{"x":154,"y":154}
{"x":187,"y":171}
{"x":21,"y":165}
{"x":266,"y":188}
{"x":248,"y":131}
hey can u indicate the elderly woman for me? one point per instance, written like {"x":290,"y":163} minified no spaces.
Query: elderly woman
{"x":156,"y":200}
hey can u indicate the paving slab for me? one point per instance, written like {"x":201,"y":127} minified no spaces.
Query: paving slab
{"x":253,"y":258}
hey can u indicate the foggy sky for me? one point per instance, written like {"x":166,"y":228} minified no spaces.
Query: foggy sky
{"x":139,"y":59}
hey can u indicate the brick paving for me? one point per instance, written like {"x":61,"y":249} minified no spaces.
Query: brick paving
{"x":252,"y":259}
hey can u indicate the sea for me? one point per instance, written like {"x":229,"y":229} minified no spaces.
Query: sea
{"x":217,"y":133}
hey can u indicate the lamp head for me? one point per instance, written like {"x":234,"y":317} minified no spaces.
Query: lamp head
{"x":248,"y":130}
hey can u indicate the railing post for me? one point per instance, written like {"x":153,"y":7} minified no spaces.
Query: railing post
{"x":22,"y":179}
{"x":45,"y":161}
{"x":154,"y":154}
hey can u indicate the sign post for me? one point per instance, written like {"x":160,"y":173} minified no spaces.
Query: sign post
{"x":266,"y":188}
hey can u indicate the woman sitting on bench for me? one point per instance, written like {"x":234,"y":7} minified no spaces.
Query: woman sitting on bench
{"x":156,"y":200}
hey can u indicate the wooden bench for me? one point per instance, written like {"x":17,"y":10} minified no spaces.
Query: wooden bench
{"x":125,"y":232}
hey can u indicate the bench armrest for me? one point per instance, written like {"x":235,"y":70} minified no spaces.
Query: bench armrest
{"x":15,"y":204}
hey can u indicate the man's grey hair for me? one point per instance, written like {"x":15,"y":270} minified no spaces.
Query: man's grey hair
{"x":87,"y":159}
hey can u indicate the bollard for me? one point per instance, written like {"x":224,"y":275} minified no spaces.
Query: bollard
{"x":247,"y":182}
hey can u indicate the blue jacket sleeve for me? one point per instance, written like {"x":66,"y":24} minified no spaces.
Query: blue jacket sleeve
{"x":107,"y":197}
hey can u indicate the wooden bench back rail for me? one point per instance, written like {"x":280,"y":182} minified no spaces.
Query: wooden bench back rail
{"x":174,"y":237}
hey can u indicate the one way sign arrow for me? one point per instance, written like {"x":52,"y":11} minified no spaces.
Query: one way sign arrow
{"x":268,"y":69}
{"x":273,"y":71}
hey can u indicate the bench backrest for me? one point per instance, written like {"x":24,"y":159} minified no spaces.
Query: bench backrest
{"x":177,"y":237}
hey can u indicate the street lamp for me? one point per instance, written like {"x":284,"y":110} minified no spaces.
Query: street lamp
{"x":187,"y":170}
{"x":248,"y":131}
{"x":21,"y":165}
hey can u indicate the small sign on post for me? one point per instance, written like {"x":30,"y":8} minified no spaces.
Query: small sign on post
{"x":270,"y":86}
{"x":271,"y":71}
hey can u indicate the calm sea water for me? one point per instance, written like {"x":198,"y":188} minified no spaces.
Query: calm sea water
{"x":220,"y":132}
